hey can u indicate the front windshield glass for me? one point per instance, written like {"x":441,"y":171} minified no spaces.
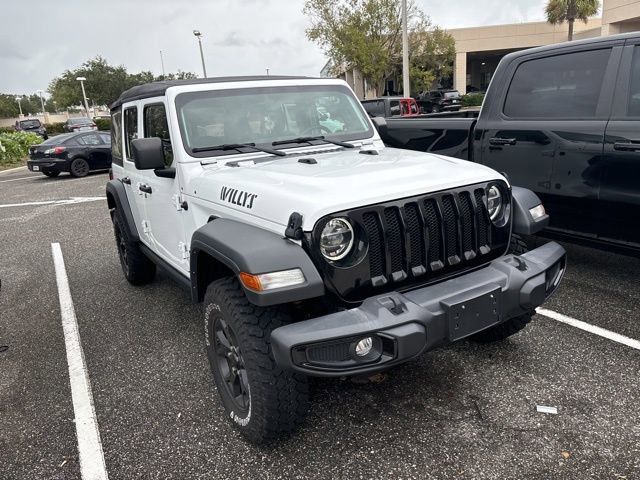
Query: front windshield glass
{"x":30,"y":123}
{"x":270,"y":114}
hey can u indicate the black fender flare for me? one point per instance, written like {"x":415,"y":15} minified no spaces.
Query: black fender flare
{"x":250,"y":249}
{"x":117,"y":199}
{"x":523,"y":223}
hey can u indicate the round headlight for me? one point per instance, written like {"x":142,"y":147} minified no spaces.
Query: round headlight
{"x":494,"y":202}
{"x":336,"y":239}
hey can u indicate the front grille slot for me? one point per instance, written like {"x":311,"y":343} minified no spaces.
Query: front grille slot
{"x":426,"y":235}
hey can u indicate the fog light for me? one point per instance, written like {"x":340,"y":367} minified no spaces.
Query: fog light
{"x":364,"y":346}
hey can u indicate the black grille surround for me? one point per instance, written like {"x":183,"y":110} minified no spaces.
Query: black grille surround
{"x":414,"y":241}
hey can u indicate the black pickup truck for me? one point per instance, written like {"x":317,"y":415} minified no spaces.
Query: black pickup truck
{"x":563,"y":121}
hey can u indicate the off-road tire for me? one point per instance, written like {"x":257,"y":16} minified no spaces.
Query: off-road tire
{"x":51,"y":174}
{"x":277,"y":399}
{"x":79,"y":168}
{"x":517,"y":246}
{"x":137,"y":268}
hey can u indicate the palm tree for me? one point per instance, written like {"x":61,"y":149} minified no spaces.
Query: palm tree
{"x":560,"y":11}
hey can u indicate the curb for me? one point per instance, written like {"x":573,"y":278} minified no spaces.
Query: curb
{"x":13,"y":169}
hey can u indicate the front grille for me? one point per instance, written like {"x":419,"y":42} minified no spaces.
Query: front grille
{"x":417,"y":240}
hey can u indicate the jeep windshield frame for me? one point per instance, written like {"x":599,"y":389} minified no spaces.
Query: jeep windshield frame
{"x":263,"y":115}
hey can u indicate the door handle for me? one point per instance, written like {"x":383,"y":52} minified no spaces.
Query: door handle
{"x":145,"y":188}
{"x":626,"y":146}
{"x":126,"y":180}
{"x":502,"y":141}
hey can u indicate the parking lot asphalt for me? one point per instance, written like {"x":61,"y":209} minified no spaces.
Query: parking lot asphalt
{"x":467,"y":411}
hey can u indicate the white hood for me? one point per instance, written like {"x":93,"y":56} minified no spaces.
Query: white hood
{"x":340,"y":180}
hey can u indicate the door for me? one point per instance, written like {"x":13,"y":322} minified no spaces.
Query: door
{"x":132,"y":178}
{"x":95,"y":150}
{"x":548,"y":134}
{"x":162,"y":199}
{"x":620,"y":190}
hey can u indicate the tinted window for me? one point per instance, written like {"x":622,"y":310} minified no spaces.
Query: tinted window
{"x":394,"y":107}
{"x":105,"y":137}
{"x":92,"y":139}
{"x":116,"y":137}
{"x":558,"y":87}
{"x":633,"y":108}
{"x":155,"y":125}
{"x":130,"y":130}
{"x":30,"y":123}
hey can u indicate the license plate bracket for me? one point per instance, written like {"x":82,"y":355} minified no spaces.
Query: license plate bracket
{"x":472,"y":311}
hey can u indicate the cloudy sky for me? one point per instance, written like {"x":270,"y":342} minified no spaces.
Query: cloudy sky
{"x":39,"y":39}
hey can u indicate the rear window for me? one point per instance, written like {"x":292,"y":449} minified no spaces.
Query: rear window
{"x":30,"y":123}
{"x":451,"y":94}
{"x":57,"y":139}
{"x":79,"y":121}
{"x":562,"y":86}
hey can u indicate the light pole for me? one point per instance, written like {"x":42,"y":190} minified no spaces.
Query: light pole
{"x":406,"y":86}
{"x":162,"y":63}
{"x":84,"y":94}
{"x":198,"y":36}
{"x":18,"y":99}
{"x":41,"y":101}
{"x":267,"y":72}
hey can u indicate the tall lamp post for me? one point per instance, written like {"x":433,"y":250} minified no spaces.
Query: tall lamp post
{"x":199,"y":37}
{"x":41,"y":101}
{"x":84,"y":94}
{"x":406,"y":86}
{"x":18,"y":99}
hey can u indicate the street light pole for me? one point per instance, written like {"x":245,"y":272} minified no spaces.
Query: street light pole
{"x":198,"y":36}
{"x":406,"y":86}
{"x":18,"y":99}
{"x":41,"y":102}
{"x":162,"y":62}
{"x":84,"y":94}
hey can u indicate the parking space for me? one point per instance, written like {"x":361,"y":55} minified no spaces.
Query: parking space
{"x":467,"y":411}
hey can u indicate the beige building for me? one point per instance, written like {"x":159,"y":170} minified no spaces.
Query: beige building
{"x":480,"y":49}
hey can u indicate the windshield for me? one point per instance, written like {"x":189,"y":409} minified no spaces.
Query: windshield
{"x":30,"y":124}
{"x":266,"y":115}
{"x":79,"y":121}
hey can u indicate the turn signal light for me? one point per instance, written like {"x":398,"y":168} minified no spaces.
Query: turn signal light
{"x":273,"y":280}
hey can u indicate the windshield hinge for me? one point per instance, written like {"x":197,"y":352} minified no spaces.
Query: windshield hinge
{"x":146,"y":228}
{"x":184,"y":250}
{"x":179,"y":203}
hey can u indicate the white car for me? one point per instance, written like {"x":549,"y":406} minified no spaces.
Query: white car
{"x":314,"y":252}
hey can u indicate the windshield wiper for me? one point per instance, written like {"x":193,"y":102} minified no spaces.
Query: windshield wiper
{"x":311,"y":139}
{"x":238,"y":146}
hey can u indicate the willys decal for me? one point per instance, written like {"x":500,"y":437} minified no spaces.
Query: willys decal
{"x":237,"y":197}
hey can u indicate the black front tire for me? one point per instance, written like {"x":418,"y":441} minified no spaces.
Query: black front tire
{"x":137,"y":268}
{"x":51,"y":174}
{"x":262,"y":400}
{"x":517,"y":246}
{"x":79,"y":168}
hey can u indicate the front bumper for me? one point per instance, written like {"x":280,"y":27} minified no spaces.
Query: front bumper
{"x":403,"y":326}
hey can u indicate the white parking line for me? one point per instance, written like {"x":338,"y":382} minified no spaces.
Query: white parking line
{"x":587,"y":327}
{"x":16,"y":179}
{"x":68,"y":201}
{"x":92,"y":466}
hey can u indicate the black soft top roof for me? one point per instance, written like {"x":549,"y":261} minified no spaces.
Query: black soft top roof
{"x":156,"y":89}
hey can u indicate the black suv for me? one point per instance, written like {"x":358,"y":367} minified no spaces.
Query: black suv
{"x":435,"y":101}
{"x":32,"y":125}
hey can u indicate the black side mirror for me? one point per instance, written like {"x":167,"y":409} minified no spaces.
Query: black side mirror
{"x":148,"y":153}
{"x":381,"y":125}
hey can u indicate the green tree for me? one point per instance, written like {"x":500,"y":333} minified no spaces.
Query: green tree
{"x":367,"y":35}
{"x":560,"y":11}
{"x":432,"y":52}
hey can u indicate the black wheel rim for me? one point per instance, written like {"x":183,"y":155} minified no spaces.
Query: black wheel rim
{"x":230,"y":364}
{"x":80,"y":167}
{"x":122,"y":251}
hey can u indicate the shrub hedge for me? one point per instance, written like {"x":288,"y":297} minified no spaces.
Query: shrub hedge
{"x":103,"y":123}
{"x":472,"y":99}
{"x":14,"y":146}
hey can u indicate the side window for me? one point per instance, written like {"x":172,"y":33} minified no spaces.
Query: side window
{"x":116,"y":137}
{"x":561,"y":86}
{"x":130,"y":130}
{"x":155,"y":125}
{"x":633,"y":107}
{"x":394,"y":108}
{"x":92,"y":139}
{"x":106,"y":138}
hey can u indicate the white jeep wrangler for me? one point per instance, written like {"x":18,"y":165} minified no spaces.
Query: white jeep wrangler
{"x":315,"y":249}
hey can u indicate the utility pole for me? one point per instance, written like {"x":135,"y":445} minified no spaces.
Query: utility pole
{"x":84,"y":94}
{"x":162,"y":63}
{"x":18,"y":99}
{"x":267,"y":72}
{"x":406,"y":85}
{"x":199,"y":37}
{"x":41,"y":102}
